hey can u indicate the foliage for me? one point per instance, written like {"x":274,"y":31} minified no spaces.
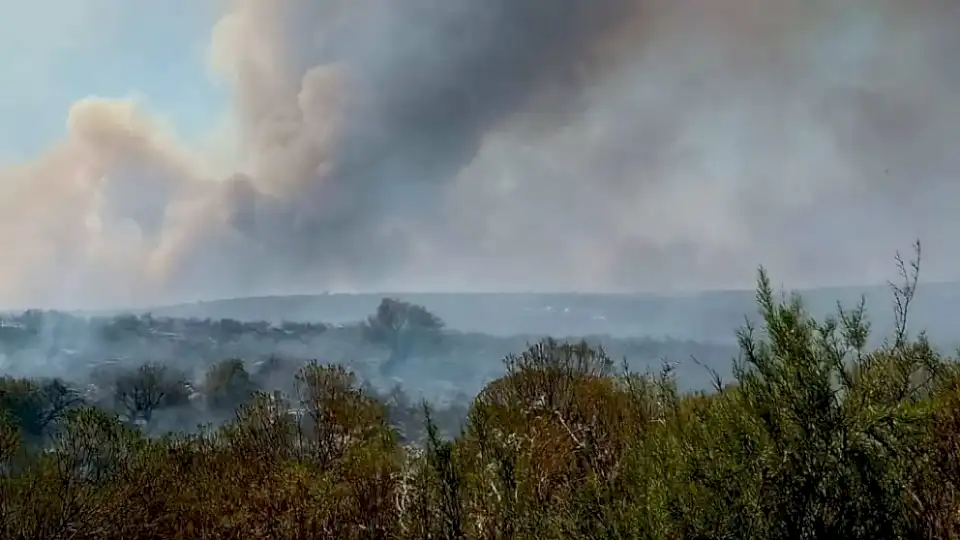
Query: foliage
{"x":152,"y":386}
{"x":402,"y":327}
{"x":227,"y":385}
{"x":816,"y":436}
{"x":33,"y":406}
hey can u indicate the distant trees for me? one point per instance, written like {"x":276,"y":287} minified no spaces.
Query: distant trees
{"x":18,"y":331}
{"x":301,"y":331}
{"x":227,"y":330}
{"x":402,"y":327}
{"x":122,"y":327}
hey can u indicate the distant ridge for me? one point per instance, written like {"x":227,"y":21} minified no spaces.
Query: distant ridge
{"x":711,"y":315}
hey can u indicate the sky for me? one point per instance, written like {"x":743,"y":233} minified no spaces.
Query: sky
{"x":157,"y":152}
{"x":56,"y":52}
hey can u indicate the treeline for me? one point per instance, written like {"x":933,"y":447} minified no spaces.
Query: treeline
{"x":84,"y":349}
{"x":396,"y":325}
{"x":815,"y":436}
{"x":158,"y":399}
{"x":398,"y":341}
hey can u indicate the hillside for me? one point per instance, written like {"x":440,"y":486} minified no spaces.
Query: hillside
{"x":710,"y":316}
{"x":815,"y":436}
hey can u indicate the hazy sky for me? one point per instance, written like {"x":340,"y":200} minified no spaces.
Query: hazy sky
{"x":56,"y":52}
{"x":164,"y":151}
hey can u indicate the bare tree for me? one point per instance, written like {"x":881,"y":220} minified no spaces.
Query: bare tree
{"x":151,"y":386}
{"x":56,"y":399}
{"x":903,"y":293}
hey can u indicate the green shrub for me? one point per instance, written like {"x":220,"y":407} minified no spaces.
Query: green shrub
{"x":816,"y":436}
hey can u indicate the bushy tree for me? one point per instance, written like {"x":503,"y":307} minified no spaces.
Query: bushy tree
{"x":402,"y":327}
{"x":10,"y":439}
{"x":227,"y":385}
{"x":36,"y":405}
{"x":336,"y":414}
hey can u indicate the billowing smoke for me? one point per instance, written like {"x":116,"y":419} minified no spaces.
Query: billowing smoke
{"x":512,"y":144}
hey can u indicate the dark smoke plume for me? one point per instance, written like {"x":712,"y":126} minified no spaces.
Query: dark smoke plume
{"x":512,"y":144}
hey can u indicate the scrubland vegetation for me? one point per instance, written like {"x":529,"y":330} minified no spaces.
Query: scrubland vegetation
{"x":814,"y":436}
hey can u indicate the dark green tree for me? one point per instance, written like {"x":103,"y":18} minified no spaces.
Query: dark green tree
{"x":228,"y":385}
{"x":36,"y":405}
{"x":403,"y":328}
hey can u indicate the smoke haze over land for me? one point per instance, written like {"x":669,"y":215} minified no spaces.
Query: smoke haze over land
{"x":511,"y":145}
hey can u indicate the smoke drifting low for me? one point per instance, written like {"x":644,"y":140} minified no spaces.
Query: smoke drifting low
{"x":512,"y":144}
